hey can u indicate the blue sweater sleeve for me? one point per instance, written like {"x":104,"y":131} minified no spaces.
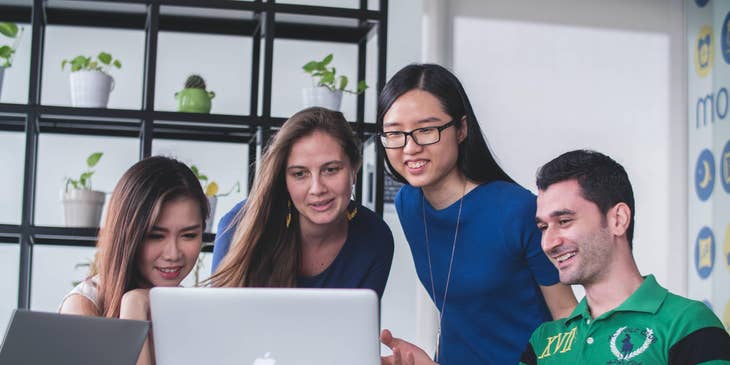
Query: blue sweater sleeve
{"x":224,"y":235}
{"x":530,"y":237}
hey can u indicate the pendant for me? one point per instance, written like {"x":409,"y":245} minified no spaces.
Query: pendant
{"x":438,"y":346}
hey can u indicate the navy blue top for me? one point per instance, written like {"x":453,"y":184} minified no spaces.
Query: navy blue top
{"x":494,"y":301}
{"x":363,"y":262}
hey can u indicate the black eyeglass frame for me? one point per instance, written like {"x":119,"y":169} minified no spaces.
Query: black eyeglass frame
{"x":410,"y":133}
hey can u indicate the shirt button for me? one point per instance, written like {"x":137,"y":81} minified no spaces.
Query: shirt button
{"x":590,"y":340}
{"x":588,"y":321}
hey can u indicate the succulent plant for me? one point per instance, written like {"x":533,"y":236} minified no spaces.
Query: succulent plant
{"x":195,"y":82}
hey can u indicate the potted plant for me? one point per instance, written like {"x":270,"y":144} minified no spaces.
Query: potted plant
{"x":194,"y":98}
{"x":91,"y":82}
{"x":327,"y":87}
{"x":210,"y":188}
{"x":81,"y":205}
{"x":11,"y":31}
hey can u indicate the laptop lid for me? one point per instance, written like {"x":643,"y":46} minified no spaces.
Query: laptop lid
{"x":52,"y":338}
{"x":265,"y":326}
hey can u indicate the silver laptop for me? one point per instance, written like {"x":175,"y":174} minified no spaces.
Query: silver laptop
{"x":52,"y":338}
{"x":273,"y":326}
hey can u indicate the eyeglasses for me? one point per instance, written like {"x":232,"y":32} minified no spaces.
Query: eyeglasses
{"x":421,"y":136}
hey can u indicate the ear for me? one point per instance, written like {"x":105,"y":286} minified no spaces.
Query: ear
{"x":619,"y":219}
{"x":463,"y":130}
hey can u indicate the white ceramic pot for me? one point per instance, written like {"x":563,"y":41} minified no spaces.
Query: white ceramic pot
{"x":82,"y":208}
{"x":212,"y":202}
{"x":321,"y":96}
{"x":2,"y":73}
{"x":90,"y":89}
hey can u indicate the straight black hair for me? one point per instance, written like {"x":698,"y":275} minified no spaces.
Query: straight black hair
{"x":602,"y":180}
{"x":475,"y":160}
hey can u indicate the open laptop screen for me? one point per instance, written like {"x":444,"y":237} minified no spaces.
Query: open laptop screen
{"x":272,"y":326}
{"x":52,"y":338}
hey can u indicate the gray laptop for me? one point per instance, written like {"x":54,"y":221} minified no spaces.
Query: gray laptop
{"x":52,"y":338}
{"x":256,"y":326}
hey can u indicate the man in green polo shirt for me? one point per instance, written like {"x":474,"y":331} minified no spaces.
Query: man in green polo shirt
{"x":585,"y":210}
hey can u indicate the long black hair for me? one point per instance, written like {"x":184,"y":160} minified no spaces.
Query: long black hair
{"x":475,"y":160}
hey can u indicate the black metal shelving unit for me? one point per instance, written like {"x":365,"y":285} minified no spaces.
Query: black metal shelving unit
{"x":262,"y":20}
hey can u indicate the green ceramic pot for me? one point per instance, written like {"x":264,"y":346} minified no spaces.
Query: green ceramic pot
{"x":194,"y":100}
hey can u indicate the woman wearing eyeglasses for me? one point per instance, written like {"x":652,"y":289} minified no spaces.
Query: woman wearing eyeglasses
{"x":470,"y":228}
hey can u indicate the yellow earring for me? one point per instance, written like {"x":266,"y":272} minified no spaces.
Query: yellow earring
{"x":288,"y":213}
{"x":349,"y":214}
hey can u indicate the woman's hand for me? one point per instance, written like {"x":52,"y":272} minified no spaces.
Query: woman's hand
{"x":135,"y":305}
{"x":404,"y":352}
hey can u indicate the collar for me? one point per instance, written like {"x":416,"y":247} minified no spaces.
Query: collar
{"x":647,"y":298}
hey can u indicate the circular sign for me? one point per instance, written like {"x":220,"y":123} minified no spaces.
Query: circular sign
{"x":705,"y":252}
{"x":725,"y":167}
{"x":704,"y":175}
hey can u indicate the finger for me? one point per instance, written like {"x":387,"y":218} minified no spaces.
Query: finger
{"x":387,"y":338}
{"x":410,"y":359}
{"x":397,"y":358}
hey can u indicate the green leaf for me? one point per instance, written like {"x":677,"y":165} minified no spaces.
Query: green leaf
{"x":310,"y":67}
{"x":361,"y":86}
{"x":343,"y":82}
{"x":79,"y":63}
{"x":6,"y":52}
{"x":8,"y":29}
{"x":93,"y":159}
{"x":63,"y":64}
{"x":194,"y":169}
{"x":105,"y":58}
{"x":327,"y":79}
{"x":80,"y":60}
{"x":327,"y":59}
{"x":203,"y":177}
{"x":117,"y":64}
{"x":85,"y":179}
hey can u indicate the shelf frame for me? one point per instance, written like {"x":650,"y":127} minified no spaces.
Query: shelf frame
{"x":256,"y":19}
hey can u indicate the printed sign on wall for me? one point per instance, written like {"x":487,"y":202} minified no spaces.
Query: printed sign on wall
{"x":708,"y":72}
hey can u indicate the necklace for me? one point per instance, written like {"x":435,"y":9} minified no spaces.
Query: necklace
{"x":451,"y":263}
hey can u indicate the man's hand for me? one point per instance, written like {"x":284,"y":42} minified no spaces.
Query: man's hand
{"x":404,"y":352}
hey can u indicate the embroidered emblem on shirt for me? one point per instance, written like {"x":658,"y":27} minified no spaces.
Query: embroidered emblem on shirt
{"x":562,"y":342}
{"x":627,"y":343}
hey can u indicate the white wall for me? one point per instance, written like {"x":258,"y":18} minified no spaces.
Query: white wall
{"x":548,"y":77}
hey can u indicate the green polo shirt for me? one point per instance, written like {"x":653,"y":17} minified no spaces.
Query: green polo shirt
{"x":653,"y":326}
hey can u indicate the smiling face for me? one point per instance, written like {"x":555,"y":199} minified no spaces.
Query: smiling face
{"x":319,"y":178}
{"x":575,"y":235}
{"x":170,"y":250}
{"x":423,"y":166}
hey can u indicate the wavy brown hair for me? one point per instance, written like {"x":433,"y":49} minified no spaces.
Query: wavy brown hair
{"x":264,"y":251}
{"x":135,"y":205}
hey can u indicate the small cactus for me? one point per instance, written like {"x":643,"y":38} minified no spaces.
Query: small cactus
{"x":195,"y":82}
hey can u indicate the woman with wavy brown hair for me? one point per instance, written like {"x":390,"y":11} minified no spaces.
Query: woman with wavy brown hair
{"x":151,"y":236}
{"x":298,"y":227}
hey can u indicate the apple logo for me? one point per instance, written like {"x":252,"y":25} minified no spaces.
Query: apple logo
{"x":266,"y":360}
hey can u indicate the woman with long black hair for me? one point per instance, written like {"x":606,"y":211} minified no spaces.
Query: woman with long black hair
{"x":470,"y":227}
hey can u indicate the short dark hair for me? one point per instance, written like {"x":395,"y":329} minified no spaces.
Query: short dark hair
{"x":602,"y":180}
{"x":475,"y":160}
